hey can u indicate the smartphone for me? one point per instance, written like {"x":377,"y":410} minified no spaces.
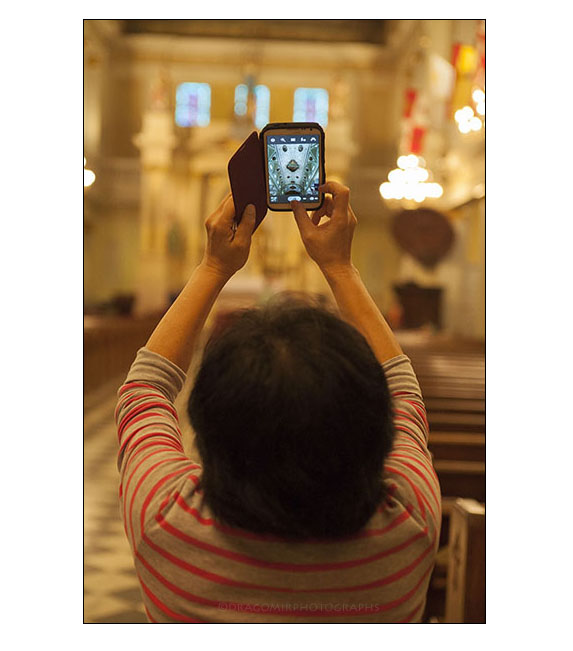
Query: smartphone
{"x":294,"y":164}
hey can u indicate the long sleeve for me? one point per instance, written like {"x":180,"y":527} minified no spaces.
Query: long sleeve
{"x":151,"y":459}
{"x":409,"y":464}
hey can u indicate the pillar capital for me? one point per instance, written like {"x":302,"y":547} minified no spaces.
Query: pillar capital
{"x":156,"y":139}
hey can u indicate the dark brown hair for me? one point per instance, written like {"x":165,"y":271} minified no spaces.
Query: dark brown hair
{"x":293,"y":422}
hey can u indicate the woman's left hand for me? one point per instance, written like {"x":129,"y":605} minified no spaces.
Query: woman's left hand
{"x":228,"y":245}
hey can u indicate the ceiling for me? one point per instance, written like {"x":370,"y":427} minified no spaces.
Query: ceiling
{"x":348,"y":31}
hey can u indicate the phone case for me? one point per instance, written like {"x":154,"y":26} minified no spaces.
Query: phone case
{"x":291,"y":125}
{"x":247,"y":178}
{"x":246,"y":171}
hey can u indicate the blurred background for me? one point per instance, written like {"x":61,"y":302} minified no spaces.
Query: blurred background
{"x":402,"y":102}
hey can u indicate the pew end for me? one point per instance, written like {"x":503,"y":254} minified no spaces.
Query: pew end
{"x":465,"y":563}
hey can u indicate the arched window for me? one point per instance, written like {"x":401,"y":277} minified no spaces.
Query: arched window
{"x":241,"y":97}
{"x":311,"y":105}
{"x":193,"y":105}
{"x":262,"y":103}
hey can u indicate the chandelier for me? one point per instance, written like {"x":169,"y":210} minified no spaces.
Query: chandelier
{"x":465,"y":117}
{"x":409,"y":181}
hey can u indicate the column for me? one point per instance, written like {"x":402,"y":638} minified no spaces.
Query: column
{"x":155,"y":142}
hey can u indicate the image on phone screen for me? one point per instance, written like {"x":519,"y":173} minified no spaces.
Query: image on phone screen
{"x":293,"y":167}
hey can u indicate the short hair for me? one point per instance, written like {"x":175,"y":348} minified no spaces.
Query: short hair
{"x":293,"y":421}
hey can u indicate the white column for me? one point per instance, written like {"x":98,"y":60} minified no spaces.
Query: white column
{"x":155,"y":142}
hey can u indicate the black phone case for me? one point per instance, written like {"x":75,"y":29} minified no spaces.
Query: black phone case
{"x":247,"y":174}
{"x":247,"y":179}
{"x":293,"y":125}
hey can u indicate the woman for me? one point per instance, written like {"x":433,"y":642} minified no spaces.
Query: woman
{"x":315,"y":499}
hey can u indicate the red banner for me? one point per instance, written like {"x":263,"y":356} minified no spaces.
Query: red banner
{"x":418,"y":134}
{"x":410,"y":98}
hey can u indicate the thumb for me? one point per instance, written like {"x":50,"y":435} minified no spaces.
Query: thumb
{"x":301,"y":216}
{"x":250,"y":213}
{"x":247,"y":225}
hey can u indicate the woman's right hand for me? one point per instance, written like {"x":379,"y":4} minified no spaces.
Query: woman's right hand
{"x":328,"y":244}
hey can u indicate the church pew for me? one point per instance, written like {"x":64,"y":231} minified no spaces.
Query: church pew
{"x":456,"y":592}
{"x":452,"y":380}
{"x":461,"y":477}
{"x":444,"y":369}
{"x":474,"y":405}
{"x":456,"y":421}
{"x":452,"y":391}
{"x":454,"y":394}
{"x":465,"y":582}
{"x":110,"y":346}
{"x":460,"y":446}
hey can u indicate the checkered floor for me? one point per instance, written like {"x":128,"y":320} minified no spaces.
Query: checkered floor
{"x":111,"y":589}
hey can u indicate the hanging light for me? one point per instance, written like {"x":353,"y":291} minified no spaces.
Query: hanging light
{"x":409,"y":181}
{"x":478,"y":97}
{"x":386,"y":190}
{"x":434,"y":190}
{"x":464,"y":114}
{"x":409,"y":161}
{"x":89,"y":176}
{"x":466,"y":119}
{"x":396,"y":176}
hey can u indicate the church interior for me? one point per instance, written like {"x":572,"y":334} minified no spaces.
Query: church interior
{"x":402,"y":105}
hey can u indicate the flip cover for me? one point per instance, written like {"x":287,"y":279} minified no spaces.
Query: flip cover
{"x":247,"y":178}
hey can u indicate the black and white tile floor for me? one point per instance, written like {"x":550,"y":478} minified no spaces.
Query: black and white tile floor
{"x":111,"y":589}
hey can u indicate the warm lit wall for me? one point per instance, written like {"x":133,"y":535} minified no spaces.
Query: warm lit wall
{"x":117,"y":90}
{"x":127,"y":74}
{"x":111,"y":254}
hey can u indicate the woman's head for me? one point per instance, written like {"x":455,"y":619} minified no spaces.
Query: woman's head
{"x":293,"y":421}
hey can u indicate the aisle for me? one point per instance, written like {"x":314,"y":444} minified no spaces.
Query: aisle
{"x":111,"y":590}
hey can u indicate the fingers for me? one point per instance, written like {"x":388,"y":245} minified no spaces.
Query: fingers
{"x":334,"y":188}
{"x":301,"y":217}
{"x":336,"y":207}
{"x":227,"y":209}
{"x":326,"y":209}
{"x":341,"y":197}
{"x":222,"y":217}
{"x":247,"y":225}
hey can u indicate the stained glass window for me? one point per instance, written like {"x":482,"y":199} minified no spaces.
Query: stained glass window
{"x":311,"y":105}
{"x":263,"y":99}
{"x":193,"y":104}
{"x":262,"y":103}
{"x":241,"y":97}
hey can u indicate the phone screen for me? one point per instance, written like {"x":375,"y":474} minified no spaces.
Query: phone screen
{"x":293,"y":163}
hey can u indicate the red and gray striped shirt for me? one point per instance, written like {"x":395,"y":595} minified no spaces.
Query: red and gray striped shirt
{"x":193,"y":568}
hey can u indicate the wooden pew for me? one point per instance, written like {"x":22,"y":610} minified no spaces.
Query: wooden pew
{"x":456,"y":421}
{"x":452,"y":380}
{"x":465,"y":584}
{"x":471,"y":405}
{"x":458,"y":477}
{"x":110,"y":346}
{"x":457,"y":446}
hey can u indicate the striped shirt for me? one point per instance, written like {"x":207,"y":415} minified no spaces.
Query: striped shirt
{"x":193,"y":568}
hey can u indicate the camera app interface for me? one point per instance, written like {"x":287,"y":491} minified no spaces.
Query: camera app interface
{"x":293,"y":165}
